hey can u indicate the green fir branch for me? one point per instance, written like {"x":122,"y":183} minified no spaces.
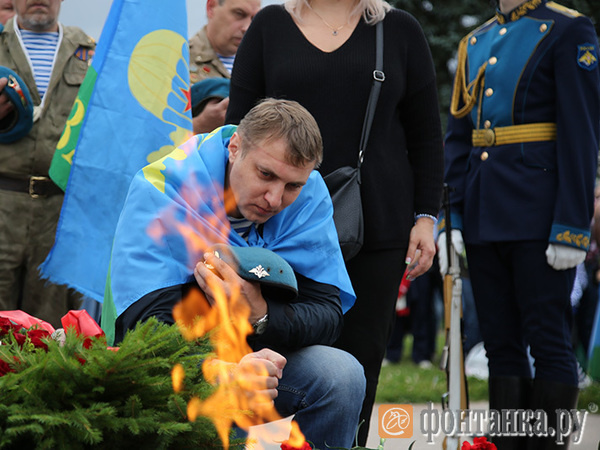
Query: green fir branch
{"x":73,"y":397}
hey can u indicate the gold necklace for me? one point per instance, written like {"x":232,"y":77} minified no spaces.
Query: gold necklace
{"x":334,"y":30}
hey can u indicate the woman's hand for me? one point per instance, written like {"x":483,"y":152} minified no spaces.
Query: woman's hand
{"x":421,"y":248}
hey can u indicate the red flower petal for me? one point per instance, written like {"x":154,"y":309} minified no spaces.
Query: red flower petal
{"x":481,"y":443}
{"x":87,"y":342}
{"x":20,"y":338}
{"x":36,"y":337}
{"x":6,"y":325}
{"x":5,"y":368}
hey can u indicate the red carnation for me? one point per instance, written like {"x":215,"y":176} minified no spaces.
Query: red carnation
{"x":479,"y":443}
{"x":88,"y":342}
{"x":5,"y":368}
{"x":6,"y":325}
{"x":36,"y":337}
{"x":20,"y":338}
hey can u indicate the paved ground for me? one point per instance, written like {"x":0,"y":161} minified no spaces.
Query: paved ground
{"x":590,"y":437}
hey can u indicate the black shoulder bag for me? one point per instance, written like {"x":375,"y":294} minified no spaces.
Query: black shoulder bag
{"x":344,"y":183}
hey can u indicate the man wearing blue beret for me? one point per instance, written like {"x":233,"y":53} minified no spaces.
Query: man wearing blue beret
{"x":249,"y":187}
{"x":51,"y":61}
{"x":521,"y":158}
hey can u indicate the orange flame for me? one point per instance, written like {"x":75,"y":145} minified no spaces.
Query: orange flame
{"x":238,"y":398}
{"x":178,"y":375}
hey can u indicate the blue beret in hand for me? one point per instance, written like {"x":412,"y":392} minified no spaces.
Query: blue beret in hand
{"x":204,"y":90}
{"x":19,"y":122}
{"x":276,"y":276}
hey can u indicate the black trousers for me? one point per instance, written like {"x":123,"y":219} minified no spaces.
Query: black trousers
{"x":376,"y":277}
{"x":521,"y":301}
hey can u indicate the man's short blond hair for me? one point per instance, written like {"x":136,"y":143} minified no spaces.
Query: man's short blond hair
{"x":274,"y":119}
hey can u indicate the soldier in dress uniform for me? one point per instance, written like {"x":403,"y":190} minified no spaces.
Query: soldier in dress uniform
{"x":521,"y":157}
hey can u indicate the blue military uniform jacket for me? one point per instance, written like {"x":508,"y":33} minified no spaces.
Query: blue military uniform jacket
{"x":523,"y":135}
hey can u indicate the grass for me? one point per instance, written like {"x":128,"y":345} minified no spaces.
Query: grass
{"x":406,"y":382}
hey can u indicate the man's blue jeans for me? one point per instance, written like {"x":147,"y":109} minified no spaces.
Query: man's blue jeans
{"x":324,"y":387}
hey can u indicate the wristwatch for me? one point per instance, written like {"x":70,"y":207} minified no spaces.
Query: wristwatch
{"x":261,"y":324}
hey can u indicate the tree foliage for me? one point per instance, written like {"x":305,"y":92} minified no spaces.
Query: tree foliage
{"x":76,"y":397}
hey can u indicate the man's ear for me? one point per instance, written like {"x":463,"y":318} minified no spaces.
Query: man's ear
{"x":210,"y":5}
{"x":234,"y":147}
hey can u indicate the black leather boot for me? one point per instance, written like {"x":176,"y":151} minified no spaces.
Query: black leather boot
{"x":550,"y":396}
{"x":509,"y":393}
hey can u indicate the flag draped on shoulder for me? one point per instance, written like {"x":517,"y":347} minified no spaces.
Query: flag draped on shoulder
{"x":132,"y":109}
{"x":175,"y":210}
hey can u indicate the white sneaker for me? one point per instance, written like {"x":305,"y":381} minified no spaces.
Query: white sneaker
{"x":425,"y":364}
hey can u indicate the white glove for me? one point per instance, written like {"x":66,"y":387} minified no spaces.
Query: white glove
{"x":457,"y":243}
{"x":561,"y":257}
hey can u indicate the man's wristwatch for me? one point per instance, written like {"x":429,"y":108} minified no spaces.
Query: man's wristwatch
{"x":261,"y":324}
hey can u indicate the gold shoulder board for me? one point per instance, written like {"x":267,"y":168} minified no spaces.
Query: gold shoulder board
{"x":563,"y":10}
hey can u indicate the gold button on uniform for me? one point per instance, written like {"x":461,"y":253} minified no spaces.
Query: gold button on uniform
{"x":493,"y":60}
{"x":484,"y":156}
{"x":489,"y":92}
{"x":502,"y":31}
{"x":473,"y":40}
{"x":487,"y":124}
{"x":543,"y":27}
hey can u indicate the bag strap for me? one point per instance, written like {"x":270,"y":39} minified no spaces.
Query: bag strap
{"x":378,"y":78}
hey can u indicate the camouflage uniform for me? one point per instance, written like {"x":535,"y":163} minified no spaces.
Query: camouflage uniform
{"x":204,"y":62}
{"x":27,"y":220}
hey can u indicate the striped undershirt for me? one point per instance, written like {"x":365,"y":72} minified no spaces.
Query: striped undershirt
{"x":241,"y":226}
{"x":227,"y":62}
{"x":41,"y":48}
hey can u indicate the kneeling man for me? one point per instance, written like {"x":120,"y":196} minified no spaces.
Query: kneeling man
{"x":248,"y":186}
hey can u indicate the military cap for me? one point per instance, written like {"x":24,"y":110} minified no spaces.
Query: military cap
{"x":19,"y":122}
{"x":276,"y":276}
